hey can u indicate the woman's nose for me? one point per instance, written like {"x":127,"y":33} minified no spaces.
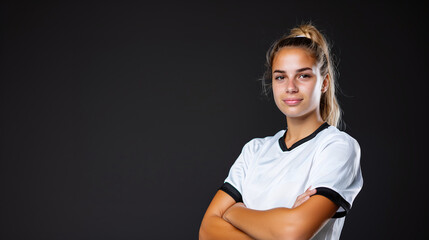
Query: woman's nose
{"x":291,"y":87}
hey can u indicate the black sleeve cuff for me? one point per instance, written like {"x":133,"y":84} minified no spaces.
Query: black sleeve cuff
{"x":231,"y":191}
{"x":336,"y":198}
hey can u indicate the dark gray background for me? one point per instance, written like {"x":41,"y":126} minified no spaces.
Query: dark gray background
{"x":120,"y":120}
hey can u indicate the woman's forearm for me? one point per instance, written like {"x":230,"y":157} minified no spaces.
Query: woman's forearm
{"x":216,"y":228}
{"x":271,"y":224}
{"x":301,"y":222}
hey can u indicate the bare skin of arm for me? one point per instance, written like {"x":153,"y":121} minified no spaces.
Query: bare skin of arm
{"x":301,"y":222}
{"x":214,"y":226}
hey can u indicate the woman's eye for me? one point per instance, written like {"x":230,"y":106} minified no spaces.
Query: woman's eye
{"x":304,"y":76}
{"x":279,"y":78}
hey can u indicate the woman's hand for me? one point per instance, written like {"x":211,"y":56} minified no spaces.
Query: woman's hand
{"x":304,"y":197}
{"x":236,"y":205}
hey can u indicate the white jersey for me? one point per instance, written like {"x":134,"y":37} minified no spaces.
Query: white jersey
{"x":268,"y":175}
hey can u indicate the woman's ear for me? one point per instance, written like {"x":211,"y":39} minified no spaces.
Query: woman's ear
{"x":325,"y":83}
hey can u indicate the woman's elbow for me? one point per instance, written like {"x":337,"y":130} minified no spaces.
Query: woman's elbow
{"x":290,"y":234}
{"x":292,"y":231}
{"x":202,"y":234}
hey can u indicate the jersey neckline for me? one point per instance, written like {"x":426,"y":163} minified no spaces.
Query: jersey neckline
{"x":282,"y":142}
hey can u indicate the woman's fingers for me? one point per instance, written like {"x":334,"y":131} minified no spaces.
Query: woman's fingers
{"x":304,"y":197}
{"x":307,"y":193}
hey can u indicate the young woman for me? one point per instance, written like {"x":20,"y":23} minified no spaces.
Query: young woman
{"x":301,"y":182}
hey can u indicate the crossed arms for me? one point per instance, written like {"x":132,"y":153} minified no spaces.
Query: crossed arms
{"x":226,"y":219}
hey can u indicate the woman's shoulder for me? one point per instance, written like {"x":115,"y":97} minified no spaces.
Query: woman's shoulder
{"x":259,"y":142}
{"x":334,"y":135}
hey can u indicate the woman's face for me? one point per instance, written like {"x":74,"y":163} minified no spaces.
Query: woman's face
{"x":296,"y":83}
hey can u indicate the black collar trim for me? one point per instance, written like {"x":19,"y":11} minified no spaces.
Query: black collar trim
{"x":309,"y":137}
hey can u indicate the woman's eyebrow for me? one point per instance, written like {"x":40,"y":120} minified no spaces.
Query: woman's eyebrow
{"x":299,"y":70}
{"x":304,"y":69}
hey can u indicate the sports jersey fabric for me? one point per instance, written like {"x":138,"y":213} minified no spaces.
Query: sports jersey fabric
{"x":267,"y":174}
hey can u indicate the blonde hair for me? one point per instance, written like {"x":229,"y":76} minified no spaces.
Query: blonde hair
{"x":307,"y":36}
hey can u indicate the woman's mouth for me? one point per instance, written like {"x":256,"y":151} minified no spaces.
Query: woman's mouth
{"x":292,"y":101}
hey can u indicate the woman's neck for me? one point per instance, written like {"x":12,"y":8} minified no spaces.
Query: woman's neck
{"x":298,"y":128}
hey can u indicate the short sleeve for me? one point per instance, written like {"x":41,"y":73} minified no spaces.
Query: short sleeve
{"x":233,"y":184}
{"x":336,"y":173}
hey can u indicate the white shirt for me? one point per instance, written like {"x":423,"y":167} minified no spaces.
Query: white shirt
{"x":267,"y":174}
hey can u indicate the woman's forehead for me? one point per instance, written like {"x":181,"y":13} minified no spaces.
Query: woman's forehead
{"x":289,"y":59}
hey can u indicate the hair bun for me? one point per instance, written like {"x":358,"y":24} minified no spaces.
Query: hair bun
{"x":309,"y":31}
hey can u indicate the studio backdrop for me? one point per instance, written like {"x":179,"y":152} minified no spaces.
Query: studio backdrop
{"x":120,"y":120}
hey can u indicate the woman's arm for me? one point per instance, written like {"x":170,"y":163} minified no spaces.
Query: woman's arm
{"x":301,"y":222}
{"x":214,"y":226}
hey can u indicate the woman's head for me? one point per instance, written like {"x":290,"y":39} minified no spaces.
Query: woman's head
{"x":306,"y":37}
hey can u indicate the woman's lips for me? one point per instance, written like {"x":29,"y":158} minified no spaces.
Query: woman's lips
{"x":292,"y":101}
